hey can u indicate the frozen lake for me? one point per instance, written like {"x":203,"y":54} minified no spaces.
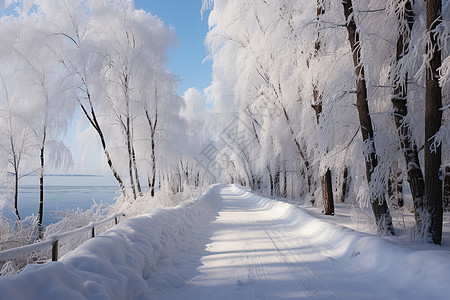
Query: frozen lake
{"x":63,"y":192}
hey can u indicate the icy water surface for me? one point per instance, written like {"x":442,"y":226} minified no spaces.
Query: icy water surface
{"x":63,"y":192}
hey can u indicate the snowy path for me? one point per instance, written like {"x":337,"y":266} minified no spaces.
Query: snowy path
{"x":251,"y":252}
{"x":232,"y":244}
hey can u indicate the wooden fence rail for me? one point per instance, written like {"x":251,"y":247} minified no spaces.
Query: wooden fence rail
{"x":53,"y":240}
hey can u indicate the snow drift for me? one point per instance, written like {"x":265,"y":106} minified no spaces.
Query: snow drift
{"x":424,"y":271}
{"x":115,"y":264}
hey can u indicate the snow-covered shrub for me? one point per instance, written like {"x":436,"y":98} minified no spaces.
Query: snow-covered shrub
{"x":72,"y":219}
{"x":17,"y":234}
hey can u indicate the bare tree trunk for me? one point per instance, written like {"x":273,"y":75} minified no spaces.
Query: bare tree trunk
{"x":152,"y":125}
{"x":447,"y":189}
{"x":180,"y":181}
{"x":15,"y":163}
{"x":395,"y":185}
{"x":130,"y":163}
{"x":433,"y":120}
{"x":327,"y":194}
{"x":271,"y":181}
{"x":327,"y":187}
{"x":41,"y":186}
{"x":153,"y":181}
{"x":16,"y":156}
{"x":110,"y":163}
{"x":284,"y":190}
{"x":127,"y":129}
{"x":92,"y":118}
{"x":326,"y":182}
{"x":16,"y":179}
{"x":153,"y":165}
{"x":276,"y":184}
{"x":379,"y":206}
{"x":407,"y":143}
{"x":345,"y":181}
{"x":16,"y":194}
{"x":136,"y":174}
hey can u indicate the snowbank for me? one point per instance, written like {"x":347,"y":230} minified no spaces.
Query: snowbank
{"x":426,"y":271}
{"x":115,"y":264}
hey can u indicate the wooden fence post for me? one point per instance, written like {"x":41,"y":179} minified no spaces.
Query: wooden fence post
{"x":55,"y":251}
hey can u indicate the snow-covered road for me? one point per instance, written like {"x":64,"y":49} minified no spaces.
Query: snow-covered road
{"x":252,"y":255}
{"x":255,"y":250}
{"x":233,"y":244}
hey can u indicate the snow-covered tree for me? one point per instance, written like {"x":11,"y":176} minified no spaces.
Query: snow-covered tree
{"x":285,"y":57}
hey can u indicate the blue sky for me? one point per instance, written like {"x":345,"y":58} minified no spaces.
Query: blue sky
{"x":186,"y":57}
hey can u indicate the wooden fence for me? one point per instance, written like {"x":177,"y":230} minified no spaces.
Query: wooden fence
{"x":53,"y":240}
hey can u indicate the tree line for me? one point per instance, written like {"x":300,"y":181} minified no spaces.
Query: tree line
{"x":337,"y":100}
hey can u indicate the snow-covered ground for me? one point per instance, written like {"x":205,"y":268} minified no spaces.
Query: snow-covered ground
{"x":232,"y":244}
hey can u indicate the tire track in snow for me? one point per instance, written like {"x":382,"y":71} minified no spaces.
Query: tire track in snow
{"x":251,"y":274}
{"x":257,"y":269}
{"x":309,"y":280}
{"x":309,"y":284}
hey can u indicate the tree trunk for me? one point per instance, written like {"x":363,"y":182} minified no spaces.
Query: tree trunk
{"x":326,"y":182}
{"x":395,"y":185}
{"x":276,"y":184}
{"x":16,"y":194}
{"x":136,"y":174}
{"x":345,"y":182}
{"x":433,"y":119}
{"x":41,"y":186}
{"x":130,"y":160}
{"x":152,"y":186}
{"x":180,"y":182}
{"x":284,"y":190}
{"x":153,"y":180}
{"x":110,"y":163}
{"x":16,"y":187}
{"x":379,"y":205}
{"x":15,"y":163}
{"x":327,"y":194}
{"x":127,"y":129}
{"x":92,"y":118}
{"x":327,"y":187}
{"x":407,"y":143}
{"x":152,"y":126}
{"x":447,"y":189}
{"x":271,"y":181}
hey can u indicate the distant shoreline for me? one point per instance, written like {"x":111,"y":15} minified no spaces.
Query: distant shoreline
{"x":65,"y":175}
